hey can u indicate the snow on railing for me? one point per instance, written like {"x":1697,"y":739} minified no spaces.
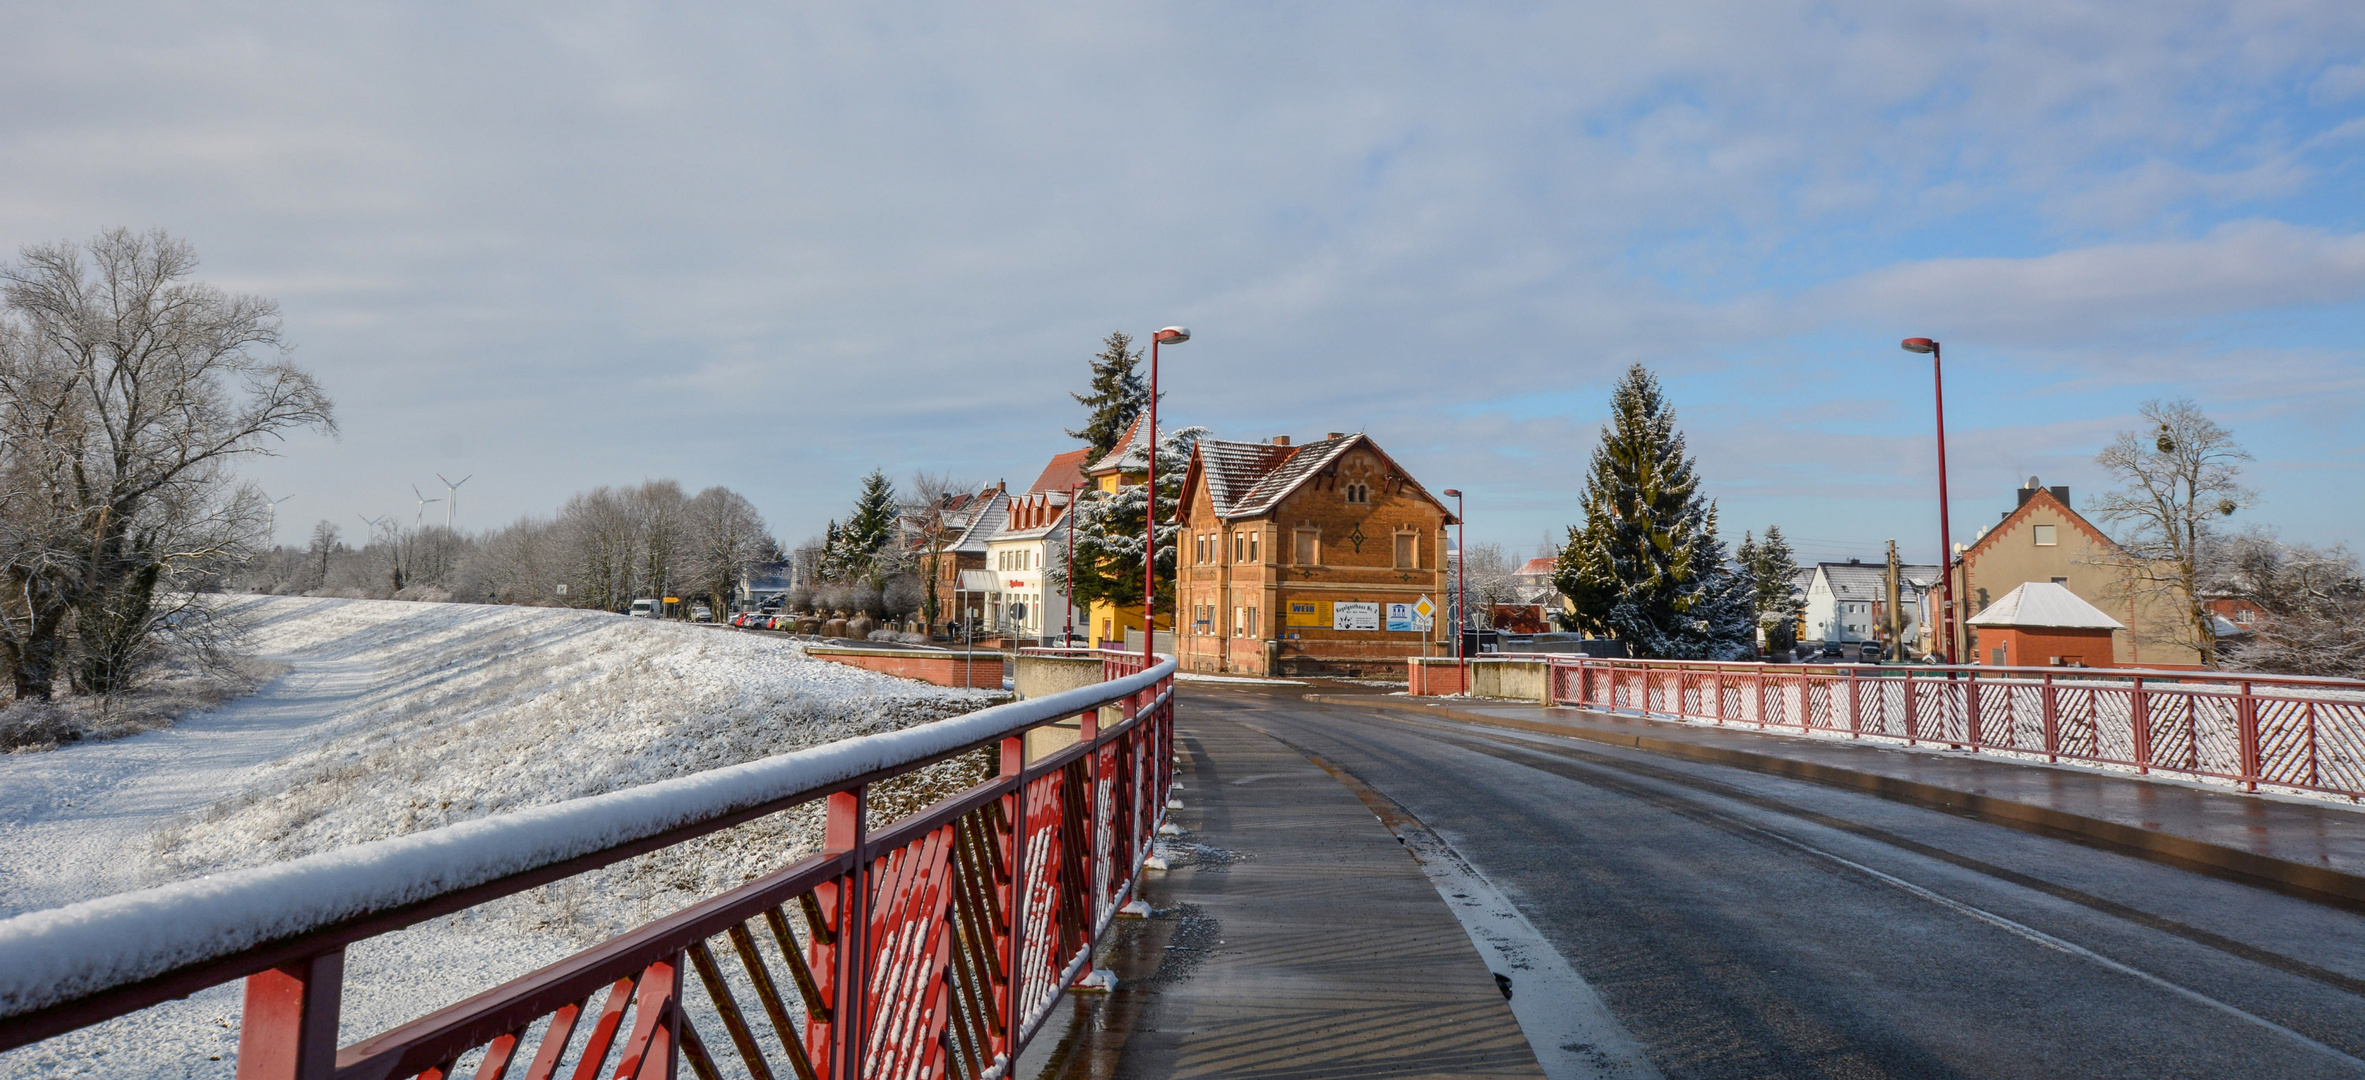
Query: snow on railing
{"x":1012,"y":878}
{"x":2293,"y":732}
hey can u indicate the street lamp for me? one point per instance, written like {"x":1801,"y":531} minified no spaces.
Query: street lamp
{"x":1067,"y":637}
{"x":1945,"y":533}
{"x":1461,"y":577}
{"x":1172,"y":335}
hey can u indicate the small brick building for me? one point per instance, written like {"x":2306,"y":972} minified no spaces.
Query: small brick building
{"x":1322,"y":558}
{"x":2041,"y":624}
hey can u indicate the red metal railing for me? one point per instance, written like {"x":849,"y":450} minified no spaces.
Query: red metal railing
{"x":2295,"y":733}
{"x":933,"y":947}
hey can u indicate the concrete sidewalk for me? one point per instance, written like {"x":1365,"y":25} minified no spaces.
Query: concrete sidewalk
{"x":2299,"y":846}
{"x":1294,"y":937}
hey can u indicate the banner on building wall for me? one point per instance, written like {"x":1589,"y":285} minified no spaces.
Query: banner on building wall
{"x":1412,"y":618}
{"x":1355,"y":615}
{"x":1308,"y":613}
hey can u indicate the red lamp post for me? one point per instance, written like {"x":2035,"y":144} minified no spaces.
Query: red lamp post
{"x":1172,"y":335}
{"x":1945,"y":533}
{"x":1461,"y":574}
{"x":1067,"y":636}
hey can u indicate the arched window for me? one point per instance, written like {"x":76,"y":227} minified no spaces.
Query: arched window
{"x":1358,"y":492}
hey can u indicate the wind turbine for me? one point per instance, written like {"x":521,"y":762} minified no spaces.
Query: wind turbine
{"x":271,"y":534}
{"x":451,"y":493}
{"x":419,"y":520}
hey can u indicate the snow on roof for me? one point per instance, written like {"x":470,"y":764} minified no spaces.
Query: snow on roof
{"x":1307,"y":460}
{"x":983,"y":524}
{"x":68,"y":952}
{"x":1065,"y":471}
{"x":1869,"y":581}
{"x":1540,"y":567}
{"x":1125,"y":455}
{"x":1233,"y":469}
{"x":2046,"y":605}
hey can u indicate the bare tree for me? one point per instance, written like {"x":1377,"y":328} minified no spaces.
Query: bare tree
{"x":926,"y":529}
{"x":325,"y":542}
{"x":126,"y":391}
{"x":2179,"y":478}
{"x":1493,"y":580}
{"x":2312,"y":604}
{"x":727,"y":539}
{"x":596,"y":530}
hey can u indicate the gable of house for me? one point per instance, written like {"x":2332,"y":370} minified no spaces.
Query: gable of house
{"x":2044,"y":540}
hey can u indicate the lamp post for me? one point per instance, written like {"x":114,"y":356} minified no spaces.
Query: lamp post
{"x":1945,"y":533}
{"x":1067,"y":636}
{"x":1461,"y":575}
{"x":1172,"y":335}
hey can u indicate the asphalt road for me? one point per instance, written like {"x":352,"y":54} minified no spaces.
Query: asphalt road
{"x":1742,"y":925}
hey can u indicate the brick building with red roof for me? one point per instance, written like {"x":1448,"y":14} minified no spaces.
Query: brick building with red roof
{"x":1322,"y":558}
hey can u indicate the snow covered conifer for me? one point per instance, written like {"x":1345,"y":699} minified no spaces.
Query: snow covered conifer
{"x":1118,"y":394}
{"x":1772,"y":564}
{"x":1109,"y":534}
{"x":1646,"y":567}
{"x":859,"y":548}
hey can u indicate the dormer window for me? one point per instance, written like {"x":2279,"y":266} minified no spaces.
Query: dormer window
{"x":1359,"y":492}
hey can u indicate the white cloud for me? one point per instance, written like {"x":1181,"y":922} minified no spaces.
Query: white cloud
{"x":633,"y":236}
{"x":2104,"y":290}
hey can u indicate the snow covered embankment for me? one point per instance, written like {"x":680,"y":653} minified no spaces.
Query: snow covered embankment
{"x":398,"y":717}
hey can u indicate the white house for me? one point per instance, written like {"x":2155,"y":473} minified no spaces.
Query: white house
{"x":1033,"y":536}
{"x":1847,"y":603}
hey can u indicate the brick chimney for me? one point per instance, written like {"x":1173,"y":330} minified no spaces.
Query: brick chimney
{"x":1280,"y":440}
{"x":1338,"y":435}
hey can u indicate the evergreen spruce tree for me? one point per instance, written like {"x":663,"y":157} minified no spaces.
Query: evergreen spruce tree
{"x":832,"y":552}
{"x":1118,"y":394}
{"x":1109,"y":534}
{"x":860,"y":549}
{"x":1646,"y":567}
{"x":1773,"y":565}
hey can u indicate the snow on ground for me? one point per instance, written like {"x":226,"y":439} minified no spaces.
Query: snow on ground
{"x":396,"y":717}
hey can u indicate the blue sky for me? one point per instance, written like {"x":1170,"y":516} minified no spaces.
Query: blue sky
{"x":775,"y":247}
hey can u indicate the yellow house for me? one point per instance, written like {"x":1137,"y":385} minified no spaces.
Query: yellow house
{"x":1128,"y":463}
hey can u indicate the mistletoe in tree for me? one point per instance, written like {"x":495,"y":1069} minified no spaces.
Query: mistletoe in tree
{"x":1646,"y":567}
{"x":1109,"y":533}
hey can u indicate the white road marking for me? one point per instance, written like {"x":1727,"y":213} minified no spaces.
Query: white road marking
{"x":2011,"y":926}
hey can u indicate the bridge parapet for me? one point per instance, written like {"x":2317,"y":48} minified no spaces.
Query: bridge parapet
{"x":934,"y":946}
{"x":2291,"y":732}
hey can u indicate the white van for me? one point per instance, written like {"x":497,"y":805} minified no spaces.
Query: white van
{"x":643,"y":609}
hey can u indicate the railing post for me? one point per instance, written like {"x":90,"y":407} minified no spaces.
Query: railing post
{"x":2052,"y":717}
{"x":1970,"y":683}
{"x":1855,"y":714}
{"x":2139,"y":724}
{"x":2246,"y":714}
{"x":1014,"y":905}
{"x":848,"y":832}
{"x":1910,"y":709}
{"x":289,"y":1028}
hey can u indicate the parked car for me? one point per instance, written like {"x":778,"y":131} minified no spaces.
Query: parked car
{"x":644,"y":608}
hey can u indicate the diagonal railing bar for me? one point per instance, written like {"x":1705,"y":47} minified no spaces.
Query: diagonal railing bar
{"x":2293,"y":733}
{"x":935,"y":946}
